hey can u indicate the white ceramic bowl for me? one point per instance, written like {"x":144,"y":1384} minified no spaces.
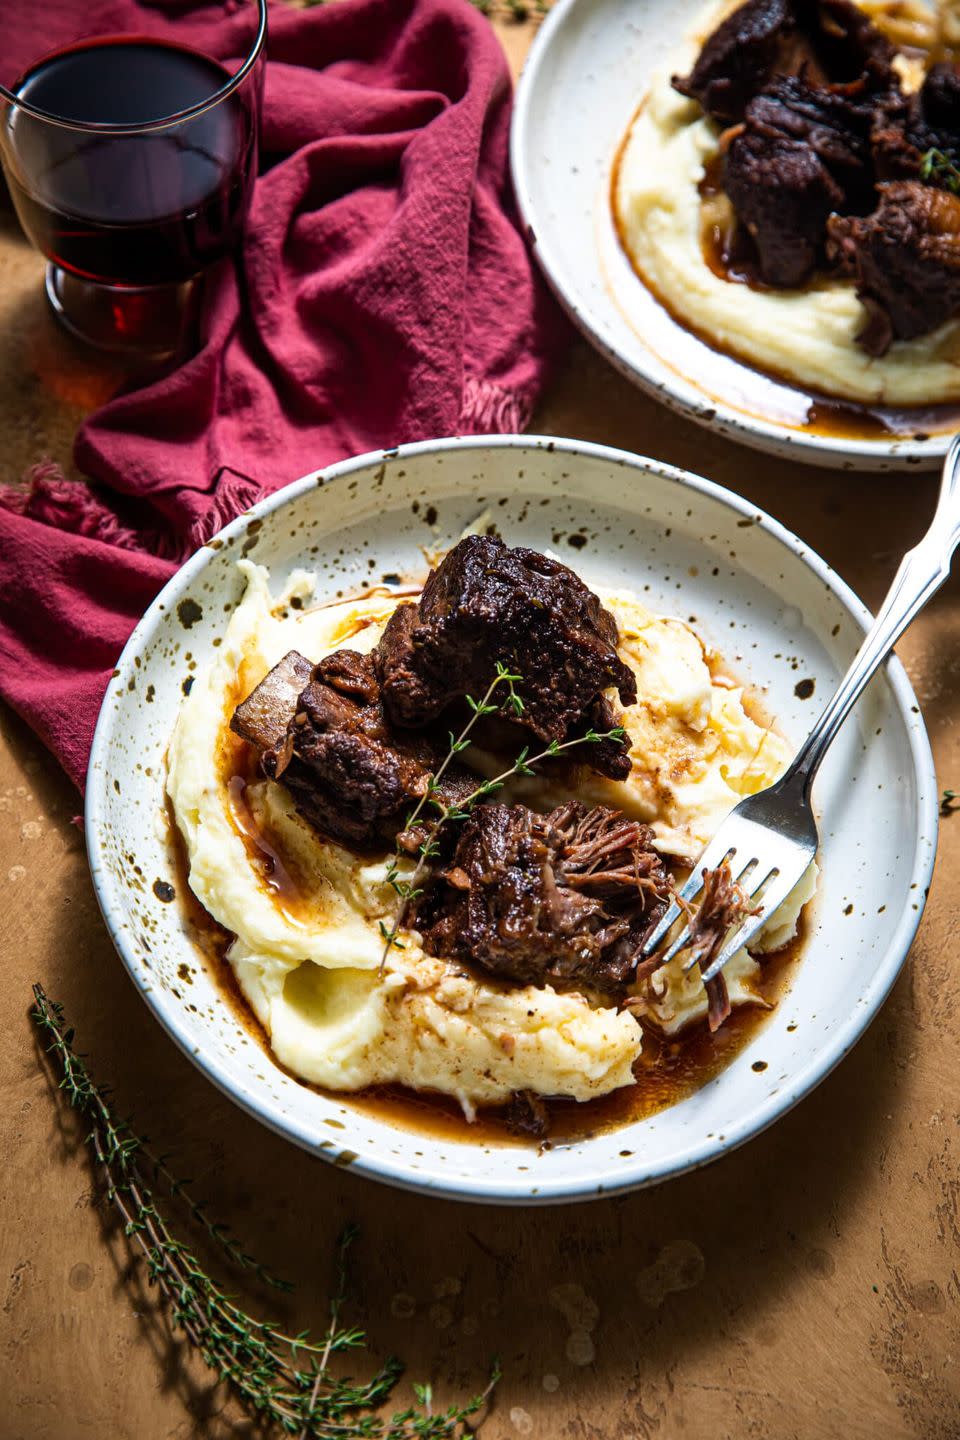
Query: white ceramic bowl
{"x":588,"y":69}
{"x":775,"y":610}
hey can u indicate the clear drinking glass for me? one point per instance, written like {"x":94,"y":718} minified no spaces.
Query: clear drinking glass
{"x":131,"y":164}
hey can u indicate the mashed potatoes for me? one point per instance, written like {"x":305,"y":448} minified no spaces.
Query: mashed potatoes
{"x":806,"y":336}
{"x":308,"y":947}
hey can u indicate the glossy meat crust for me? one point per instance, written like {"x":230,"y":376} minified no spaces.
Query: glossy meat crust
{"x":326,"y":737}
{"x":487,"y":602}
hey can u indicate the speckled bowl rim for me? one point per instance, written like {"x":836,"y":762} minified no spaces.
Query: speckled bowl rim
{"x":168,"y":1010}
{"x":676,"y":391}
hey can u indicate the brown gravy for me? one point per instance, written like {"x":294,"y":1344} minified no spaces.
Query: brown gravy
{"x":265,"y":858}
{"x":726,"y":259}
{"x":864,"y":422}
{"x":711,"y":184}
{"x":727,"y":250}
{"x":667,"y":1071}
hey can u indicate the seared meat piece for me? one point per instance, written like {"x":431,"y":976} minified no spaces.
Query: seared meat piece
{"x":351,"y":775}
{"x":802,"y":152}
{"x":907,"y":127}
{"x":487,"y":603}
{"x":527,"y":1114}
{"x":352,"y":674}
{"x":803,"y":81}
{"x":738,"y":58}
{"x":265,"y":714}
{"x":906,"y":260}
{"x":827,"y":41}
{"x":723,"y":904}
{"x":846,"y":45}
{"x":938,"y":107}
{"x":564,"y":899}
{"x":782,"y":194}
{"x":321,"y":730}
{"x":935,"y":121}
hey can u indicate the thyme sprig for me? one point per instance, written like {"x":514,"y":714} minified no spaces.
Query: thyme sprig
{"x":524,"y":764}
{"x":940,"y":168}
{"x":285,"y":1380}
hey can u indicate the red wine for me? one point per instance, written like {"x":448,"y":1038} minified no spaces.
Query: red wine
{"x":138,"y":209}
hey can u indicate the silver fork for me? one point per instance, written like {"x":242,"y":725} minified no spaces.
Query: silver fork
{"x":770,"y":838}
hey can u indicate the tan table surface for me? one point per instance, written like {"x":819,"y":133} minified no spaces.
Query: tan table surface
{"x":827,"y":1301}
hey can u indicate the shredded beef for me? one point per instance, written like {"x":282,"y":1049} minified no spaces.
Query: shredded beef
{"x":322,"y":731}
{"x":487,"y":603}
{"x":565,"y":899}
{"x":905,"y":258}
{"x":723,"y":904}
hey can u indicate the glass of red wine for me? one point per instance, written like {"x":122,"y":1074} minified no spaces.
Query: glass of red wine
{"x":131,"y":163}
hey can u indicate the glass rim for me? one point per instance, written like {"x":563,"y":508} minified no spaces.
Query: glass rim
{"x":111,"y":127}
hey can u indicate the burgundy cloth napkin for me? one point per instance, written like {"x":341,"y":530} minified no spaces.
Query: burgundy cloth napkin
{"x":383,"y":294}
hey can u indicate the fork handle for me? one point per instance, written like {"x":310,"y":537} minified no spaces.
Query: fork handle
{"x":922,"y":571}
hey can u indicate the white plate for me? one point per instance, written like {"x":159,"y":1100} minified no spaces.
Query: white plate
{"x":773,"y":609}
{"x":588,"y":69}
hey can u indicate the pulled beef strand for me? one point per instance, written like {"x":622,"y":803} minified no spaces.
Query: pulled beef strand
{"x":565,"y":899}
{"x":487,"y":603}
{"x":723,"y":904}
{"x":527,"y":1115}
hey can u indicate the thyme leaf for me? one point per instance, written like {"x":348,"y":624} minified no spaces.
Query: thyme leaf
{"x":939,"y":167}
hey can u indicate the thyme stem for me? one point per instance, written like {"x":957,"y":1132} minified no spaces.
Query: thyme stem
{"x":283,"y":1380}
{"x":939,"y":167}
{"x":409,"y":890}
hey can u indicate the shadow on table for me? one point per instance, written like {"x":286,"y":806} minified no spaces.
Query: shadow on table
{"x":859,"y":522}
